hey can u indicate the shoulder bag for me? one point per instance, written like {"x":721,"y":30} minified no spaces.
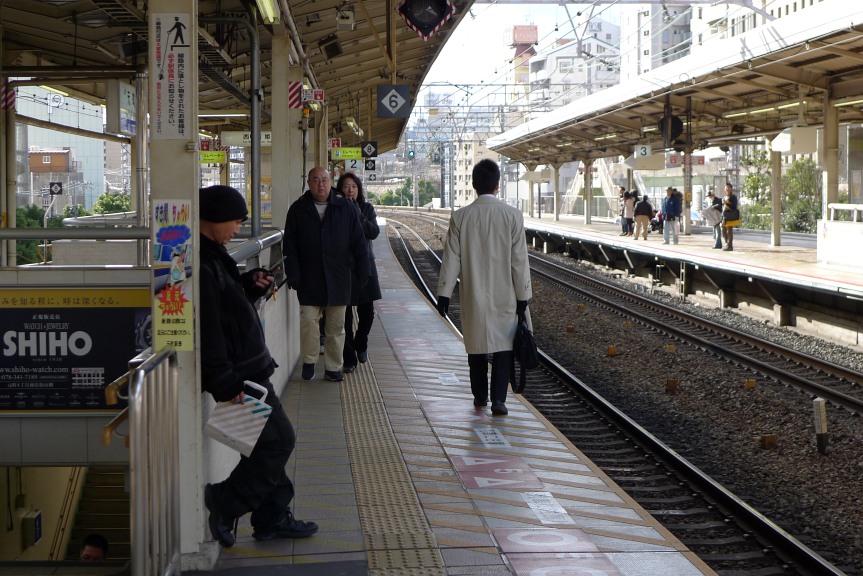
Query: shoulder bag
{"x":525,"y":352}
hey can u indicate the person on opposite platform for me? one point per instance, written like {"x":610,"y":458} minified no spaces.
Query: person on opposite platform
{"x":730,"y":217}
{"x":486,"y":248}
{"x":716,"y":205}
{"x":233,"y":350}
{"x":624,"y":227}
{"x":323,"y":244}
{"x":671,"y":210}
{"x":362,"y":296}
{"x":643,"y":214}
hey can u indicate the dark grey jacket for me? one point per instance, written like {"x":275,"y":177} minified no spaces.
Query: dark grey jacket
{"x":371,"y":290}
{"x":321,"y":253}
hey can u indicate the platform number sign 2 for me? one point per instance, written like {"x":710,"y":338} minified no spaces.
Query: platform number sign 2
{"x":642,"y":150}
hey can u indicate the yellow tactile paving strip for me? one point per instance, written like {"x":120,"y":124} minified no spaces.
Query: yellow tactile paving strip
{"x":397,"y":536}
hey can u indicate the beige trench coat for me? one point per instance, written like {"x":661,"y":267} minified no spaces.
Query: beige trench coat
{"x":486,"y":247}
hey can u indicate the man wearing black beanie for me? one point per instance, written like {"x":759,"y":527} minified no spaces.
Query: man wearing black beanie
{"x":233,"y":350}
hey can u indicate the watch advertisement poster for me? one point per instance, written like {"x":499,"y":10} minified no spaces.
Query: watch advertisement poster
{"x":62,"y":346}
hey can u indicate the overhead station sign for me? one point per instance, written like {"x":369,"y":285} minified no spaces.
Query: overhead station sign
{"x":347,"y":153}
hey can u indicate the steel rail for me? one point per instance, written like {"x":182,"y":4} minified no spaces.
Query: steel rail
{"x":851,"y":403}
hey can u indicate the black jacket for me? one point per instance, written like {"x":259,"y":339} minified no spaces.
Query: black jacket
{"x":371,"y":290}
{"x":644,"y":208}
{"x":321,"y":253}
{"x":233,"y":348}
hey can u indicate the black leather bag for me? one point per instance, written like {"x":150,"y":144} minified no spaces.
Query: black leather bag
{"x":525,"y":352}
{"x":731,"y":214}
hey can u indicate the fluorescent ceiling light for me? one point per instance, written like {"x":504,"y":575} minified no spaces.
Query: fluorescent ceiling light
{"x":840,"y":103}
{"x":209,"y":114}
{"x":354,"y":126}
{"x":269,"y":11}
{"x":54,"y":90}
{"x":764,"y":108}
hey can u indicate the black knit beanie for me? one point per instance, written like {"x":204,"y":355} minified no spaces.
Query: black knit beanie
{"x":222,"y":203}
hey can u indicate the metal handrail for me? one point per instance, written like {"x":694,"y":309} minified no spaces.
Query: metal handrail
{"x":155,"y":465}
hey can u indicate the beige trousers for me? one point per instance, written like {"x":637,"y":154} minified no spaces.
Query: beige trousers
{"x":334,"y":328}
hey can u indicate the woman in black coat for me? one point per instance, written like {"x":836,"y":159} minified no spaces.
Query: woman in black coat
{"x":362,"y":295}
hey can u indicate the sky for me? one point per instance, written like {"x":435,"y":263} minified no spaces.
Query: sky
{"x":479,"y":48}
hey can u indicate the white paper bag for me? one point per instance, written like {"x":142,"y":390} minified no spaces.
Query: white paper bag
{"x":239,"y":425}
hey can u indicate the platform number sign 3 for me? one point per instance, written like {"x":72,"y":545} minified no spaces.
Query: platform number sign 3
{"x":642,"y":150}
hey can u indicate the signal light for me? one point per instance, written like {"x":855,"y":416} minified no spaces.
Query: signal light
{"x":426,"y":17}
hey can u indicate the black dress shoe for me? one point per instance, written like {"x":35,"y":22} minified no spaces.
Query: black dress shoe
{"x":480,"y":403}
{"x":221,"y":526}
{"x":499,"y":409}
{"x":349,"y":368}
{"x":288,"y":527}
{"x":308,"y":371}
{"x":363,"y":356}
{"x":334,"y":375}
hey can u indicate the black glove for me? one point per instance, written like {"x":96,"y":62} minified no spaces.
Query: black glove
{"x":442,"y":305}
{"x":520,"y":307}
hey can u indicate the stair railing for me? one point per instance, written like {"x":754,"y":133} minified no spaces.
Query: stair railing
{"x":60,"y":542}
{"x":154,"y":460}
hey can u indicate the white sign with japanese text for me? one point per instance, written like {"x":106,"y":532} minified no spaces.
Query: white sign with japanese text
{"x":171,"y":51}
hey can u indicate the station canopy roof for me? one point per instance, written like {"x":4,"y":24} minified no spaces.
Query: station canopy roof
{"x":110,"y":35}
{"x":757,"y":84}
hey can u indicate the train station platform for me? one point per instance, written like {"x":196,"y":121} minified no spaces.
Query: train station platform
{"x":404,"y":476}
{"x":794,"y":262}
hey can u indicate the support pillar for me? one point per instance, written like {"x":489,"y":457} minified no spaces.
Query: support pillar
{"x":10,"y":185}
{"x":775,"y":197}
{"x":686,"y":208}
{"x":175,"y":176}
{"x":830,"y":190}
{"x":530,"y":197}
{"x":288,"y":170}
{"x":555,"y":178}
{"x":588,"y":191}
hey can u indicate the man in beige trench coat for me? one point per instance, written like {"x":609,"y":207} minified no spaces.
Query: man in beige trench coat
{"x":486,"y":247}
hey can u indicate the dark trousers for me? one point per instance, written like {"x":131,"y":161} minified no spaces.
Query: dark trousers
{"x":728,"y":236}
{"x":501,"y":368}
{"x":258,"y":483}
{"x":357,"y":341}
{"x":717,"y":236}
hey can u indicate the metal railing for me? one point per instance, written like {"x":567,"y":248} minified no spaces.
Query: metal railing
{"x":154,"y":459}
{"x":155,"y":465}
{"x":853,"y":208}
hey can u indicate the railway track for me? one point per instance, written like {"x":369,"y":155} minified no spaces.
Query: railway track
{"x":729,"y":535}
{"x":817,"y":377}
